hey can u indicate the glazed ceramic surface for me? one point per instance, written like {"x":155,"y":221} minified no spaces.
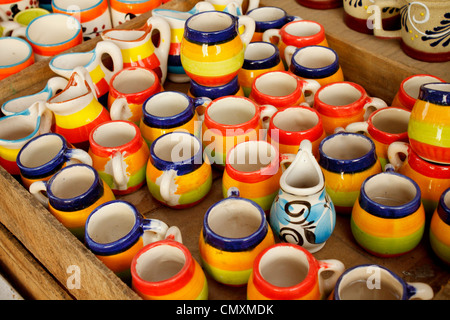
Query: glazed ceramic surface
{"x":321,"y":4}
{"x":24,"y":17}
{"x":17,"y":54}
{"x":72,"y":194}
{"x":232,"y":88}
{"x":13,"y":7}
{"x":303,"y":213}
{"x":286,"y":271}
{"x":221,"y":5}
{"x":440,"y":228}
{"x":125,"y":10}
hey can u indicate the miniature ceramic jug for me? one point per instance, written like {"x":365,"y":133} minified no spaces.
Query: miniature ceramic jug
{"x":65,"y":63}
{"x":16,"y":130}
{"x":429,"y":128}
{"x":440,"y":228}
{"x":138,"y":49}
{"x":176,"y":20}
{"x":77,"y":111}
{"x":303,"y":213}
{"x":212,"y":49}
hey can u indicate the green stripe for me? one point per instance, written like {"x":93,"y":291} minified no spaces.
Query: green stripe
{"x":197,"y":193}
{"x":343,"y":199}
{"x":235,"y":278}
{"x":441,"y":250}
{"x":264,"y":202}
{"x":422,"y":131}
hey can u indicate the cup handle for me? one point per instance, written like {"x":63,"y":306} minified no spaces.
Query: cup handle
{"x":163,"y":27}
{"x":79,"y":155}
{"x":55,"y":84}
{"x":374,"y":104}
{"x":326,"y":285}
{"x":419,"y":291}
{"x":81,"y":74}
{"x":111,"y":49}
{"x":20,"y":33}
{"x":394,"y":149}
{"x":46,"y":117}
{"x":269,"y":33}
{"x":285,"y":159}
{"x":288,"y":53}
{"x":309,"y":89}
{"x":119,"y":108}
{"x":252,"y":4}
{"x":119,"y":171}
{"x":356,"y":127}
{"x":376,"y":9}
{"x":168,"y":187}
{"x":9,"y":27}
{"x":174,"y":233}
{"x":200,"y":104}
{"x":249,"y":29}
{"x":267,"y":111}
{"x":36,"y":189}
{"x":153,"y":230}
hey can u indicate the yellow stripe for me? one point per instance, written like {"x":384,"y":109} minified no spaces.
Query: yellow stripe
{"x":256,"y":189}
{"x":349,"y":182}
{"x":176,"y":35}
{"x":429,"y":113}
{"x":212,"y":53}
{"x":80,"y":118}
{"x":137,"y":53}
{"x":97,"y":74}
{"x":440,"y":229}
{"x":9,"y":154}
{"x":121,"y":261}
{"x":213,"y":69}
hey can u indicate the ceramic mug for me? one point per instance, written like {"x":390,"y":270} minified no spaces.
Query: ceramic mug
{"x":124,"y":10}
{"x":259,"y":57}
{"x":282,"y":88}
{"x":13,"y":7}
{"x":129,"y":89}
{"x":432,"y":178}
{"x":268,"y":17}
{"x":24,"y":17}
{"x":229,"y":120}
{"x":314,"y":62}
{"x":17,"y":54}
{"x":232,"y":88}
{"x":342,"y":103}
{"x":178,"y":175}
{"x":440,"y":227}
{"x":321,"y":4}
{"x":286,"y":271}
{"x":347,"y":159}
{"x":93,"y":15}
{"x":65,"y":63}
{"x":7,"y":27}
{"x":115,"y":231}
{"x":428,"y":129}
{"x":359,"y":16}
{"x":234,"y":232}
{"x":253,"y":168}
{"x":300,"y":33}
{"x":119,"y":154}
{"x":43,"y":156}
{"x":388,"y":219}
{"x":170,"y":111}
{"x":422,"y":31}
{"x":51,"y":34}
{"x":212,"y":49}
{"x":375,"y":282}
{"x":166,"y":270}
{"x":384,"y":127}
{"x":289,"y":126}
{"x":409,"y":90}
{"x":72,"y":194}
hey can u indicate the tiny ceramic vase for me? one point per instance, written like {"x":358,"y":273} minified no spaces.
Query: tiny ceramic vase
{"x":428,"y":129}
{"x":440,"y":228}
{"x":347,"y":159}
{"x":303,"y":213}
{"x":234,"y":232}
{"x":388,"y":219}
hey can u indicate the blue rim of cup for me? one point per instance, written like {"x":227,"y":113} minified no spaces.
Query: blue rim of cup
{"x":230,"y":88}
{"x":314,"y":73}
{"x":211,"y":37}
{"x":23,"y":60}
{"x":261,"y":26}
{"x":265,"y":63}
{"x":443,"y":209}
{"x":81,"y":10}
{"x":435,"y":96}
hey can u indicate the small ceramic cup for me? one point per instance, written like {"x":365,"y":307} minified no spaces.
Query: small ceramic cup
{"x":409,"y":90}
{"x":286,"y":271}
{"x":342,"y":103}
{"x":115,"y":231}
{"x":232,"y":88}
{"x":125,"y":10}
{"x":298,"y":33}
{"x":229,"y":120}
{"x":72,"y":194}
{"x":43,"y":156}
{"x":432,"y":178}
{"x":13,"y":7}
{"x":440,"y":228}
{"x":388,"y":219}
{"x":234,"y":232}
{"x":254,"y":169}
{"x":384,"y":127}
{"x":166,"y":270}
{"x":24,"y":17}
{"x":17,"y":54}
{"x":375,"y":282}
{"x":119,"y":154}
{"x":269,"y":17}
{"x":51,"y":34}
{"x":94,"y":15}
{"x":259,"y":57}
{"x":170,"y":111}
{"x":129,"y":89}
{"x":177,"y":173}
{"x":314,"y":62}
{"x":282,"y":88}
{"x":347,"y":160}
{"x":289,"y":126}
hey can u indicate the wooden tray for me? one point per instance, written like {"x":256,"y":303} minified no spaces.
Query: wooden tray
{"x":37,"y":251}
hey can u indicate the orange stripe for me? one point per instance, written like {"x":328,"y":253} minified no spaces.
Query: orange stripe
{"x":52,"y":50}
{"x":136,"y":8}
{"x":85,"y":15}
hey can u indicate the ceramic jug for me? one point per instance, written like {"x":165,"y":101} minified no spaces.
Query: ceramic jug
{"x":176,"y":20}
{"x":303,"y":213}
{"x":77,"y":111}
{"x":138,"y":49}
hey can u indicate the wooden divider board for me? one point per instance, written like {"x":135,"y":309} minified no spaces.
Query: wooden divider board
{"x":57,"y":249}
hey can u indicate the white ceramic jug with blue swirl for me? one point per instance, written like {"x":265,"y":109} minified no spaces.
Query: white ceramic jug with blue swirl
{"x":303,"y":213}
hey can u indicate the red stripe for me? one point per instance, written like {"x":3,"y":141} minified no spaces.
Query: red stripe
{"x":101,"y":87}
{"x":10,"y":166}
{"x":212,"y":81}
{"x":150,"y":62}
{"x":430,"y":152}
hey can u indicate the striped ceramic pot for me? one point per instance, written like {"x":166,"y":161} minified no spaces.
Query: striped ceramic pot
{"x":235,"y":231}
{"x":213,"y":58}
{"x":440,"y":228}
{"x":388,"y":219}
{"x":429,"y":125}
{"x":72,"y":194}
